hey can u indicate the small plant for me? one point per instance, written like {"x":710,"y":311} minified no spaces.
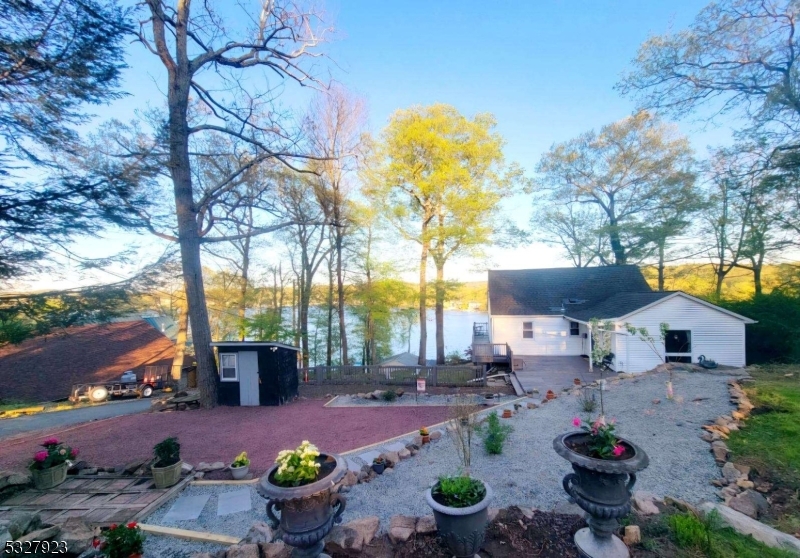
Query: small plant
{"x":603,"y":444}
{"x":689,"y":531}
{"x":297,"y":467}
{"x":459,"y":491}
{"x":588,"y":404}
{"x":424,"y":432}
{"x":462,"y":427}
{"x":122,"y":541}
{"x":389,"y":395}
{"x":379,"y":461}
{"x":495,"y":434}
{"x":241,"y":460}
{"x":54,"y":453}
{"x":167,"y":452}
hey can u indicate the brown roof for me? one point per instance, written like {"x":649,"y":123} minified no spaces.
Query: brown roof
{"x":44,"y":368}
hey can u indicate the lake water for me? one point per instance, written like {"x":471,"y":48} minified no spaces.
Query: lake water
{"x":457,"y":332}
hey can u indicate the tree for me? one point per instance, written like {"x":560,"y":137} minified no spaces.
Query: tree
{"x":738,"y":56}
{"x":572,"y":227}
{"x":624,"y":175}
{"x":335,"y":127}
{"x":56,"y":58}
{"x":204,"y":61}
{"x":440,"y":177}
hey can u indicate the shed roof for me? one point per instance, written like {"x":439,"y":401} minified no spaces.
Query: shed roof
{"x":253,"y":344}
{"x":555,"y":291}
{"x":45,"y":368}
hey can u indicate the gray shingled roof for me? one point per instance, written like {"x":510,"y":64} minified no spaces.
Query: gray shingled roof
{"x":577,"y":289}
{"x":617,"y":305}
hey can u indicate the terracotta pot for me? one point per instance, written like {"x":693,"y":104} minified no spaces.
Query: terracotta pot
{"x":577,"y":381}
{"x":507,"y":413}
{"x":550,"y":395}
{"x":308,"y":512}
{"x":426,"y":439}
{"x":48,"y":478}
{"x":463,"y":529}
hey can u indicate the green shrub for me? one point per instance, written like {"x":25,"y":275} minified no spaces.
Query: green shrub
{"x":588,"y":401}
{"x":167,"y":452}
{"x":389,"y":395}
{"x":495,"y":434}
{"x":689,"y":531}
{"x":458,"y":492}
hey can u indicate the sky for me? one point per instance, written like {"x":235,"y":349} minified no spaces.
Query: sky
{"x":545,"y":68}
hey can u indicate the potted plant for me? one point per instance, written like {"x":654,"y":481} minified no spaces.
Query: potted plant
{"x":240,"y":466}
{"x":550,"y":395}
{"x":123,"y":541}
{"x":49,"y":466}
{"x":576,"y":381}
{"x":426,"y":436}
{"x":378,"y":465}
{"x":167,"y":467}
{"x":506,"y":413}
{"x":605,"y":468}
{"x":299,"y":486}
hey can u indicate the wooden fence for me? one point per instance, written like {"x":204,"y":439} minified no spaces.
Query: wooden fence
{"x":466,"y":375}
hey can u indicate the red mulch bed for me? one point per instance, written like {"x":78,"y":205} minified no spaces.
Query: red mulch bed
{"x":220,"y":434}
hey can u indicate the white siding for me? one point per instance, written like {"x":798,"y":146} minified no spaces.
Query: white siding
{"x":550,"y":335}
{"x":715,"y":334}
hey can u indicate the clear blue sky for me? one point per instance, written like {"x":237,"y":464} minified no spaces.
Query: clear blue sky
{"x":545,"y":69}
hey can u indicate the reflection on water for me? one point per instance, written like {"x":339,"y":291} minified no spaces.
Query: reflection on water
{"x":457,"y":332}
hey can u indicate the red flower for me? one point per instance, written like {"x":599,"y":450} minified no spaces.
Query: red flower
{"x":50,"y":442}
{"x":73,"y":453}
{"x":132,"y":525}
{"x":113,"y":526}
{"x":40,"y":456}
{"x":95,"y":542}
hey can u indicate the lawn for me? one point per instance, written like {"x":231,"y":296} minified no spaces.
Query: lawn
{"x":770,"y":442}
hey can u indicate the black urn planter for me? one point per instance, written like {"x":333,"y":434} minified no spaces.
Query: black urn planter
{"x":602,"y":488}
{"x":462,"y":529}
{"x":308,"y":512}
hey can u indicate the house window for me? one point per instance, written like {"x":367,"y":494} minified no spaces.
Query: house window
{"x":527,"y":330}
{"x":227,"y":366}
{"x":574,"y":328}
{"x":678,"y":345}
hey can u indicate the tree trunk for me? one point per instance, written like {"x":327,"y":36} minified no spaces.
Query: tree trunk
{"x":188,"y":238}
{"x":423,"y":298}
{"x":340,"y":300}
{"x":620,"y":257}
{"x":661,"y":266}
{"x":329,"y":344}
{"x":243,"y":288}
{"x":439,"y":313}
{"x":180,"y":345}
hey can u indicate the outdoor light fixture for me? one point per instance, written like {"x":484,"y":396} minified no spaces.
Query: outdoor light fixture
{"x":273,"y":349}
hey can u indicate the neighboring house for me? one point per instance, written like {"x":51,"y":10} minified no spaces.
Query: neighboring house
{"x":405,"y":359}
{"x":44,"y":368}
{"x":549,"y":312}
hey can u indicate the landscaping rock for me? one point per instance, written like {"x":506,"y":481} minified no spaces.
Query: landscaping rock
{"x":77,"y":534}
{"x":401,"y":528}
{"x":643,"y":503}
{"x":204,"y":467}
{"x":404,"y":454}
{"x":243,"y":551}
{"x":41,"y":534}
{"x":275,"y":550}
{"x":391,"y":458}
{"x":744,"y":469}
{"x":376,"y":394}
{"x":747,"y":526}
{"x":351,"y":537}
{"x":750,"y":503}
{"x":186,"y":468}
{"x":417,"y":440}
{"x":435,"y":435}
{"x":426,"y":525}
{"x":21,"y":523}
{"x":527,"y":512}
{"x":492,"y":512}
{"x":260,"y":532}
{"x":632,"y":535}
{"x":133,"y":466}
{"x":531,"y":405}
{"x":681,"y":505}
{"x":350,"y":479}
{"x":745,"y":484}
{"x":10,"y":478}
{"x":731,"y":473}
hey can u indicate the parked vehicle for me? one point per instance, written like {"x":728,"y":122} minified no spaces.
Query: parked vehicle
{"x":155,"y":377}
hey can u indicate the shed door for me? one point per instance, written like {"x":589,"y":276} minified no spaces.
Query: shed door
{"x":248,"y":378}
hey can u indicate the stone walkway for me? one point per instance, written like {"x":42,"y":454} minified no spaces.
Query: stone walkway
{"x":357,"y":459}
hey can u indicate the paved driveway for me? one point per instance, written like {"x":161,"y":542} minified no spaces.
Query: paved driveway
{"x":554,"y":372}
{"x":60,"y":419}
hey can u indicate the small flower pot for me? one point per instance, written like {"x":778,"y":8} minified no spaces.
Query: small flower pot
{"x":506,"y":413}
{"x":426,"y":439}
{"x":239,"y":473}
{"x":379,"y":467}
{"x":577,"y":381}
{"x":44,"y":479}
{"x":550,"y":395}
{"x":165,"y":477}
{"x":462,"y":529}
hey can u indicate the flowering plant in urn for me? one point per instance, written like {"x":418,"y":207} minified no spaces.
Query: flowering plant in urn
{"x":297,"y":467}
{"x":54,"y":453}
{"x":601,"y":443}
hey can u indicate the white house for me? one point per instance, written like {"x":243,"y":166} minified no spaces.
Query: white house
{"x":549,"y":312}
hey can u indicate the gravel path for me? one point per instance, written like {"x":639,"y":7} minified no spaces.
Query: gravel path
{"x":409,"y":400}
{"x":219,"y":434}
{"x":529,"y":472}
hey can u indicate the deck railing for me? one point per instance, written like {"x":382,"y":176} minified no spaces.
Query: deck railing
{"x":466,"y":375}
{"x":491,"y":353}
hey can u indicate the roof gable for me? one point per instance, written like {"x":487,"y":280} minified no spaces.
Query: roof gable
{"x":673,"y":294}
{"x":535,"y":292}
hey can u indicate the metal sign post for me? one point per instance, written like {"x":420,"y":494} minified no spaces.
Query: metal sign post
{"x":420,"y":388}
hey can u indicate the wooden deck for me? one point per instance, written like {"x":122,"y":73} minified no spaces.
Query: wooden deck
{"x":486,"y":352}
{"x":554,"y":372}
{"x":98,"y":500}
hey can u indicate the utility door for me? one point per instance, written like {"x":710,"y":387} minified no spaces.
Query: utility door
{"x":248,"y":378}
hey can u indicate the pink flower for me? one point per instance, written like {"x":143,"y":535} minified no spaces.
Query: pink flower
{"x":40,"y":456}
{"x":50,"y":442}
{"x":74,"y":452}
{"x":618,"y":450}
{"x":576,"y":422}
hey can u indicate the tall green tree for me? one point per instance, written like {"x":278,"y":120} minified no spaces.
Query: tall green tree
{"x":440,"y":177}
{"x":625,"y":175}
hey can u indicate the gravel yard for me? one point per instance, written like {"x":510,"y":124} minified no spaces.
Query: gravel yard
{"x":529,"y":472}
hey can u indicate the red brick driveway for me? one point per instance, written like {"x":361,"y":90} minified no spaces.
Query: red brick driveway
{"x":220,"y":434}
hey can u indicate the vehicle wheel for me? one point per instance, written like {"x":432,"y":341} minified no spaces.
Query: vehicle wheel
{"x":98,"y":394}
{"x":147,"y":391}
